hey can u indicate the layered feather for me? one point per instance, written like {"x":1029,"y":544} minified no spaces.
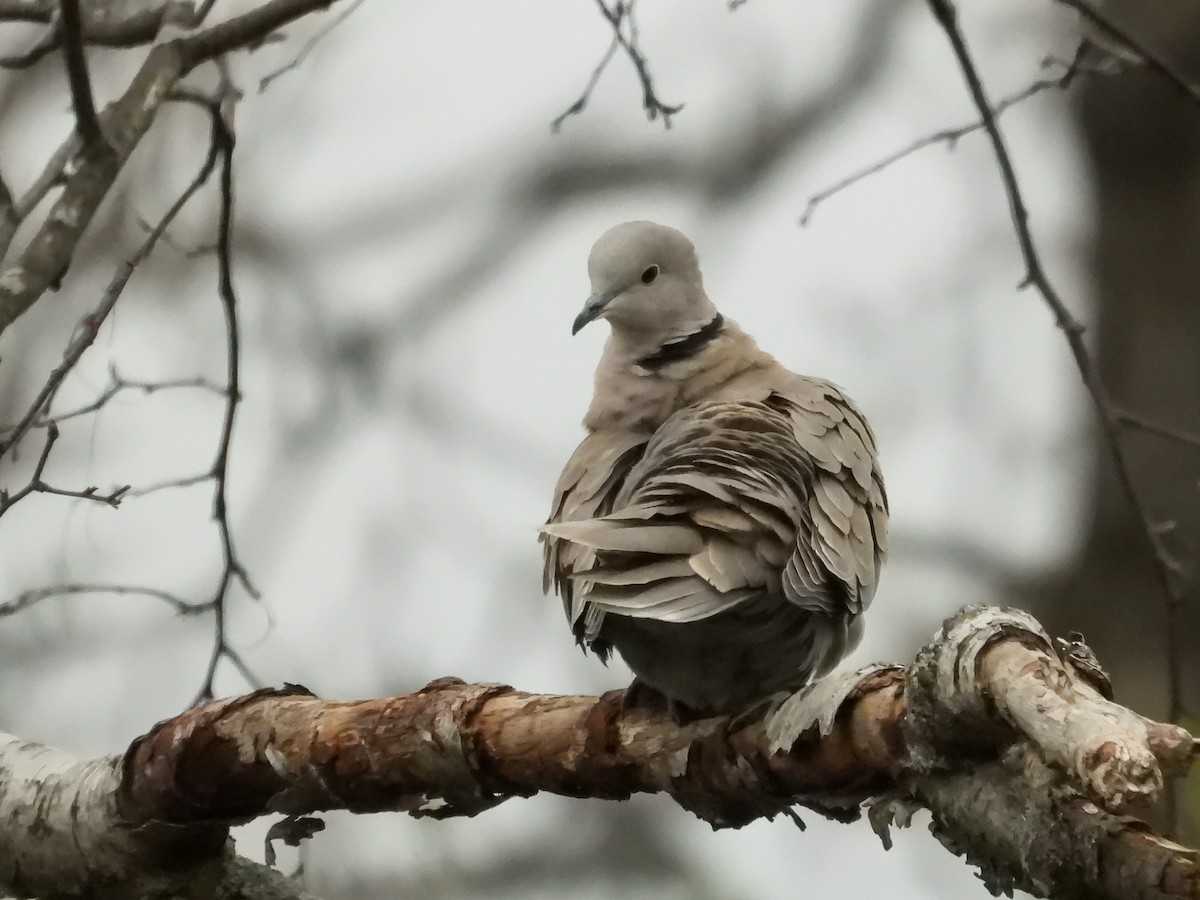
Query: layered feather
{"x":724,"y":522}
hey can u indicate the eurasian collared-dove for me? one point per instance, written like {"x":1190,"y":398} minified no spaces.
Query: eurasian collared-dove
{"x":723,"y":523}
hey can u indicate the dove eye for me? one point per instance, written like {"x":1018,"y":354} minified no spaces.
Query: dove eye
{"x":650,"y":274}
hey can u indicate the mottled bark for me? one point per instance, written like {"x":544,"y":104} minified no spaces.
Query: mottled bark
{"x":1023,"y":762}
{"x":91,"y":172}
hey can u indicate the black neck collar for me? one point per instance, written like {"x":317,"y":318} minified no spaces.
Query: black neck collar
{"x":683,"y":347}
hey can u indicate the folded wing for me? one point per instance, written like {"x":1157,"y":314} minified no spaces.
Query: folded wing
{"x":728,"y":501}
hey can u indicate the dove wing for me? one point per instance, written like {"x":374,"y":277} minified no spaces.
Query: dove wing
{"x":729,"y":500}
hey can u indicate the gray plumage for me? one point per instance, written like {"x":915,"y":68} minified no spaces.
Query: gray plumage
{"x":723,"y":523}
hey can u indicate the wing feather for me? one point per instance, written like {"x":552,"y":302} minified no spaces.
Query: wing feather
{"x":727,"y":500}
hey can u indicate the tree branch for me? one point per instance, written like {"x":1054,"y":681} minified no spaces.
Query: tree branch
{"x":25,"y":11}
{"x":622,"y":13}
{"x":232,"y":569}
{"x":124,"y":123}
{"x":118,"y":384}
{"x":311,"y":44}
{"x":37,"y":483}
{"x":1026,"y":767}
{"x":33,"y":596}
{"x":948,"y":136}
{"x":137,"y":29}
{"x":86,"y":122}
{"x":90,"y":326}
{"x":1167,"y":568}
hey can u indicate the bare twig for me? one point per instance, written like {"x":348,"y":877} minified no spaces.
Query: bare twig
{"x":90,"y":325}
{"x":309,"y":45}
{"x":578,"y":106}
{"x":1168,"y":569}
{"x":232,"y":569}
{"x":171,"y":483}
{"x":1149,"y":58}
{"x":119,"y":384}
{"x":29,"y":598}
{"x":37,"y":483}
{"x":1141,"y":423}
{"x":948,"y":136}
{"x":621,"y":17}
{"x":86,"y":122}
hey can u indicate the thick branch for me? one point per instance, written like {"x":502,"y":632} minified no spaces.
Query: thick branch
{"x":124,"y":123}
{"x":102,"y":28}
{"x":1024,"y":764}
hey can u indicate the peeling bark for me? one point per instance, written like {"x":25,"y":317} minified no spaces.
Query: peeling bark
{"x":1025,"y":765}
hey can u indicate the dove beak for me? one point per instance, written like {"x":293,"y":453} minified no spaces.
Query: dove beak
{"x":591,"y":310}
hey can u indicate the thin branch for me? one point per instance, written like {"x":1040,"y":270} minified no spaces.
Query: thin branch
{"x":1149,"y":58}
{"x":112,"y":499}
{"x":948,"y":136}
{"x":90,"y":326}
{"x":578,"y":106}
{"x":1141,"y":423}
{"x":309,"y":45}
{"x":232,"y":569}
{"x":171,"y":484}
{"x":621,"y":17}
{"x":32,"y":597}
{"x":7,"y":500}
{"x":119,"y":384}
{"x":1168,"y":570}
{"x":37,"y":483}
{"x":86,"y":122}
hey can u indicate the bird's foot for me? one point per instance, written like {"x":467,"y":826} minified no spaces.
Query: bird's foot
{"x":640,"y":695}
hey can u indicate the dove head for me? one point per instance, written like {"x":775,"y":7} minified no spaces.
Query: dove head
{"x":646,"y":283}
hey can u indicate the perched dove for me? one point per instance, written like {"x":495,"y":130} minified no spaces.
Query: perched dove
{"x":723,"y":523}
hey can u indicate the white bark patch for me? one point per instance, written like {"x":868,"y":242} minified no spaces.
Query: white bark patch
{"x":12,"y":280}
{"x":60,"y":830}
{"x":816,"y":706}
{"x":66,"y":214}
{"x":1104,"y":746}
